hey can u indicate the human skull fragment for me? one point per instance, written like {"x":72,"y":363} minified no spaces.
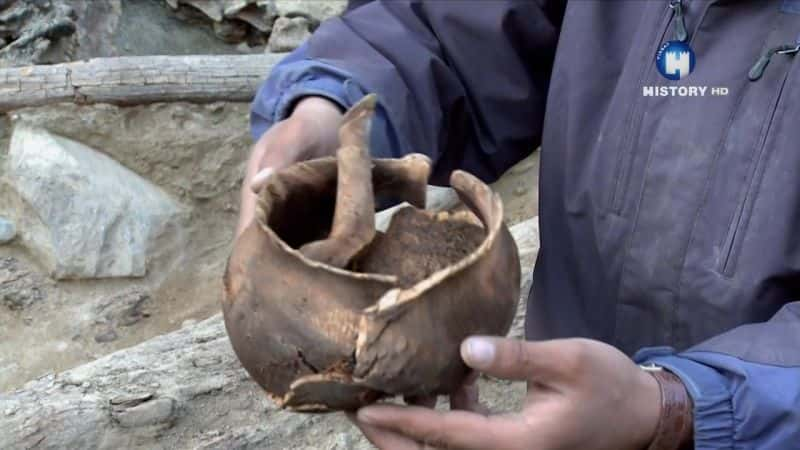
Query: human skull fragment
{"x":326,"y":313}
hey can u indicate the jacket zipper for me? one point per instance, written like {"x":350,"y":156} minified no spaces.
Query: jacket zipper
{"x":680,"y":21}
{"x":740,"y":221}
{"x":625,"y":161}
{"x":761,"y":65}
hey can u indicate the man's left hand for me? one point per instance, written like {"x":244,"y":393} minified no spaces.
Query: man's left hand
{"x":582,"y":394}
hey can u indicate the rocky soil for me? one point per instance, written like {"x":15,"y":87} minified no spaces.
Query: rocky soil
{"x":53,"y":31}
{"x":189,"y":157}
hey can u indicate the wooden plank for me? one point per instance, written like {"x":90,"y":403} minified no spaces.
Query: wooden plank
{"x":137,"y":80}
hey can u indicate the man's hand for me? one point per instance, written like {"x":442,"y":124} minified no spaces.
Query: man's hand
{"x":582,"y":394}
{"x":310,"y":132}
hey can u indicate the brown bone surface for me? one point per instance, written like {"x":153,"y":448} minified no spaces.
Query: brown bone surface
{"x":326,"y":313}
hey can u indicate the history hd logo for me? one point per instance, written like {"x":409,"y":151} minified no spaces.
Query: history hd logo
{"x":675,"y":60}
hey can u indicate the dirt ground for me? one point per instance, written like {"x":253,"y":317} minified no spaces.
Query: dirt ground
{"x":519,"y":188}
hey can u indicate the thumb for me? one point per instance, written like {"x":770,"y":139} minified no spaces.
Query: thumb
{"x":510,"y":359}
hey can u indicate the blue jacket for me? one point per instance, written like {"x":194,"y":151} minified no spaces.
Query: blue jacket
{"x":669,"y":209}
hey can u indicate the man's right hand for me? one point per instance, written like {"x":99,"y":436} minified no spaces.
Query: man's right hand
{"x":310,"y":132}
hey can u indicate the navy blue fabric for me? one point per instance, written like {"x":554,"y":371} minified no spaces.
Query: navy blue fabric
{"x":296,"y":77}
{"x":665,"y":221}
{"x":738,"y":402}
{"x":299,"y":76}
{"x":791,"y":6}
{"x":437,"y":113}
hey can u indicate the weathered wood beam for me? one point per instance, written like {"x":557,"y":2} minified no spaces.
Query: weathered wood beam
{"x":136,"y":80}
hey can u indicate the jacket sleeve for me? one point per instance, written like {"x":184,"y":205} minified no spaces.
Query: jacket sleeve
{"x":745,"y":384}
{"x":462,"y":81}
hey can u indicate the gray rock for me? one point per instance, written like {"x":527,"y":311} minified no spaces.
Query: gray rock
{"x":94,"y":218}
{"x":32,"y":32}
{"x":526,"y":235}
{"x":108,"y":335}
{"x":124,"y":309}
{"x":201,"y":163}
{"x":211,"y":8}
{"x":150,"y":27}
{"x":111,"y":313}
{"x":259,"y":17}
{"x":20,"y":287}
{"x":176,"y":146}
{"x":440,"y":198}
{"x":231,"y":31}
{"x":317,"y":10}
{"x":54,"y":31}
{"x":232,"y":7}
{"x":288,"y":34}
{"x":8,"y":231}
{"x":250,"y":21}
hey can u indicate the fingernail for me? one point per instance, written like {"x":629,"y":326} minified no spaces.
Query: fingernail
{"x":479,"y":352}
{"x":365,"y":416}
{"x":260,"y":179}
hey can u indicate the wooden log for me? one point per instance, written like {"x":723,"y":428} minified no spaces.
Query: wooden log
{"x":186,"y":389}
{"x":137,"y":80}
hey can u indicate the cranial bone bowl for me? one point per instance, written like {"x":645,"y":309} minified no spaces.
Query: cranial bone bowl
{"x":327,"y":313}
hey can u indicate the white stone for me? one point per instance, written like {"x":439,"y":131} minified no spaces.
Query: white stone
{"x":7,"y":231}
{"x":437,"y":198}
{"x":288,"y":34}
{"x":526,"y":235}
{"x":93,"y":218}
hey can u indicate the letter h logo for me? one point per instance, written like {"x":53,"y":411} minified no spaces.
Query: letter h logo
{"x":678,"y":64}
